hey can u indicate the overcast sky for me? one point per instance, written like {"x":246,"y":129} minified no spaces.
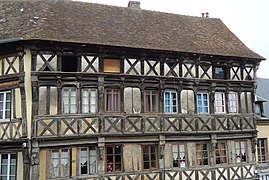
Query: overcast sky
{"x":247,"y":19}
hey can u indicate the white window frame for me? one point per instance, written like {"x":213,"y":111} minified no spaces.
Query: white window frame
{"x":59,"y":160}
{"x":233,"y":102}
{"x":89,"y":100}
{"x":202,"y":103}
{"x":220,"y":102}
{"x":69,"y":100}
{"x":179,"y":155}
{"x":5,"y":109}
{"x":92,"y":159}
{"x":9,"y":164}
{"x":241,"y":151}
{"x":170,"y":105}
{"x":262,"y":150}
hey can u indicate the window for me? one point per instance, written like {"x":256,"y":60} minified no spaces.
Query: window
{"x":202,"y":103}
{"x":132,"y":100}
{"x":179,"y":155}
{"x":202,"y":154}
{"x":219,"y":102}
{"x":5,"y":104}
{"x":69,"y":100}
{"x":170,"y":102}
{"x":88,"y":160}
{"x":69,"y":63}
{"x":262,"y":150}
{"x":112,"y":65}
{"x":233,"y":102}
{"x":149,"y":156}
{"x":8,"y":169}
{"x":114,"y":158}
{"x":221,"y":157}
{"x":220,"y":73}
{"x":89,"y":100}
{"x":151,"y":101}
{"x":112,"y":100}
{"x":59,"y":164}
{"x":240,"y":151}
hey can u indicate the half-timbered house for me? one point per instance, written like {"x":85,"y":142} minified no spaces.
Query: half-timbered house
{"x":90,"y":91}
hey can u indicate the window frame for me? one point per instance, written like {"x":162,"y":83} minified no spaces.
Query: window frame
{"x":114,"y":62}
{"x":224,"y":69}
{"x":90,"y":99}
{"x":151,"y":110}
{"x":9,"y":164}
{"x":260,"y":154}
{"x":233,"y":103}
{"x":149,"y":153}
{"x":60,"y":158}
{"x":112,"y":104}
{"x":88,"y":157}
{"x":239,"y":149}
{"x":202,"y":103}
{"x":179,"y":163}
{"x":223,"y":103}
{"x":201,"y":151}
{"x":110,"y":166}
{"x":69,"y":99}
{"x":170,"y":100}
{"x":219,"y":150}
{"x":4,"y":113}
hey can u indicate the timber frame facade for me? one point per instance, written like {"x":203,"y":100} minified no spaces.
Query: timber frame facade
{"x":86,"y":111}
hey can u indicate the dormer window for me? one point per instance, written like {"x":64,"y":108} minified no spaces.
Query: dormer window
{"x":69,"y":63}
{"x":220,"y":73}
{"x":111,"y":65}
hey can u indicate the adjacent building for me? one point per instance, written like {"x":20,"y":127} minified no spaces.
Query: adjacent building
{"x":92,"y":91}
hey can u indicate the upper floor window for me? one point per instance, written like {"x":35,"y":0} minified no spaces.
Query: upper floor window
{"x":170,"y":102}
{"x":233,"y":102}
{"x":240,"y":151}
{"x":5,"y":105}
{"x":8,"y":165}
{"x":202,"y":157}
{"x":69,"y":63}
{"x":88,"y":160}
{"x":114,"y":158}
{"x":59,"y":163}
{"x":220,"y":72}
{"x":262,"y":150}
{"x":112,"y":65}
{"x":202,"y":103}
{"x":221,"y":157}
{"x":112,"y":100}
{"x":89,"y":100}
{"x":151,"y":100}
{"x":220,"y":102}
{"x":179,"y":155}
{"x":69,"y":100}
{"x":149,"y":156}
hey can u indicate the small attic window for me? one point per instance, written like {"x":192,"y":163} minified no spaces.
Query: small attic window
{"x":112,"y":65}
{"x":69,"y":63}
{"x":220,"y":73}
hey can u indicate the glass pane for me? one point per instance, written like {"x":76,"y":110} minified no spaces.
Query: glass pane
{"x":13,"y":170}
{"x":1,"y":97}
{"x":146,"y":165}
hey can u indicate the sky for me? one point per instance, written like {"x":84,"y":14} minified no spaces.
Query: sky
{"x":247,"y":19}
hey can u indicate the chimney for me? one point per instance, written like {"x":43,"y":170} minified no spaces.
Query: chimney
{"x":203,"y":14}
{"x":134,"y":4}
{"x":207,"y":14}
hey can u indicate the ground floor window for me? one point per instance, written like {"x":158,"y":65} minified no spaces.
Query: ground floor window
{"x":240,"y":150}
{"x":59,"y":163}
{"x":202,"y":154}
{"x":8,"y":168}
{"x":262,"y":150}
{"x":113,"y":158}
{"x":88,"y":160}
{"x":179,"y":155}
{"x":149,"y":156}
{"x":221,"y":157}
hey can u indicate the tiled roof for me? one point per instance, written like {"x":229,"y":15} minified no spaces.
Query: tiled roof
{"x":81,"y":22}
